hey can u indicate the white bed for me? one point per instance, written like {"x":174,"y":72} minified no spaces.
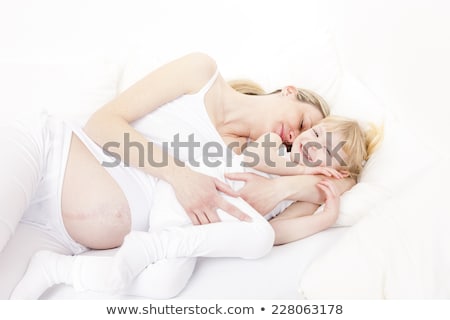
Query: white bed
{"x":390,"y":240}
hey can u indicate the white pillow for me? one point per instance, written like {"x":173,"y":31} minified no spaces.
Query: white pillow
{"x":295,"y":48}
{"x":398,"y":251}
{"x":71,"y":87}
{"x":392,"y":166}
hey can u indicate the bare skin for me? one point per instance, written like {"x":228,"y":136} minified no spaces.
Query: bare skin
{"x":95,"y":211}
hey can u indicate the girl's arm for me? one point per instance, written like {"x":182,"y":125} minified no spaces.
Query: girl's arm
{"x":304,"y":188}
{"x":264,"y":155}
{"x":297,"y":221}
{"x":264,"y":194}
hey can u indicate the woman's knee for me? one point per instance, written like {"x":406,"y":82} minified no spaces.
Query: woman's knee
{"x":262,"y":238}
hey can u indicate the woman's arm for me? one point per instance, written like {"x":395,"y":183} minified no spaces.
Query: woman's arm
{"x":304,"y":188}
{"x":297,"y":221}
{"x":264,"y":194}
{"x":111,"y":124}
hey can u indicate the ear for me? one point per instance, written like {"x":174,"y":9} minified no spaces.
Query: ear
{"x":288,"y":90}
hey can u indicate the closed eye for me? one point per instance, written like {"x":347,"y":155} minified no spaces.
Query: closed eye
{"x":316,"y":133}
{"x":301,"y":125}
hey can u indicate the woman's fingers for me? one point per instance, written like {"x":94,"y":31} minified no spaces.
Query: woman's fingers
{"x":240,"y":176}
{"x":193,"y":218}
{"x":345,"y":173}
{"x":201,"y":203}
{"x":334,"y":173}
{"x":211,"y":214}
{"x":225,"y":188}
{"x":325,"y":172}
{"x":202,"y":217}
{"x":232,"y":210}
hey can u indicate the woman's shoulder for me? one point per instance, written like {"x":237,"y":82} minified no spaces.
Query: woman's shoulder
{"x":201,"y":65}
{"x":201,"y":59}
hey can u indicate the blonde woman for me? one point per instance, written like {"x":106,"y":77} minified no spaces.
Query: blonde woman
{"x":334,"y":144}
{"x":60,"y":192}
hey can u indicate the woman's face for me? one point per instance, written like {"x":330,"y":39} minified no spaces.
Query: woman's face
{"x":319,"y":147}
{"x":291,"y":116}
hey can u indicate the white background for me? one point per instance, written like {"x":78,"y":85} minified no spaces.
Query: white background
{"x":399,"y":49}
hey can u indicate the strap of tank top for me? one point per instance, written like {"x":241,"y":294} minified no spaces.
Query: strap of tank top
{"x":98,"y":152}
{"x":209,"y":83}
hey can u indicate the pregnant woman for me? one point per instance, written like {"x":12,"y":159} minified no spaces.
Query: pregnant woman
{"x":60,"y":192}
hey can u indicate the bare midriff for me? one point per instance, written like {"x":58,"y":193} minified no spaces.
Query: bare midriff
{"x":95,"y":210}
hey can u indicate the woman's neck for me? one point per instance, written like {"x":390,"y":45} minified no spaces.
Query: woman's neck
{"x":239,"y":113}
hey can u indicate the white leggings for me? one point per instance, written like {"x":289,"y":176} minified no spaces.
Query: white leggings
{"x":27,"y":147}
{"x":32,"y":156}
{"x":230,"y":238}
{"x":30,"y":219}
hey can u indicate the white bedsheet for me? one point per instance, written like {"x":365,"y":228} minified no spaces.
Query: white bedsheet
{"x":400,"y":251}
{"x":273,"y":277}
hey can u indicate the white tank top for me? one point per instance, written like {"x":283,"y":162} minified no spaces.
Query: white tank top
{"x":186,"y":116}
{"x":182,"y":119}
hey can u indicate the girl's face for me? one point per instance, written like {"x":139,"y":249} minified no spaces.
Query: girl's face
{"x":291,"y":116}
{"x":319,"y":147}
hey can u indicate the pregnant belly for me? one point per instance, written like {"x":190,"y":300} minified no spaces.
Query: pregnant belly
{"x":95,"y":210}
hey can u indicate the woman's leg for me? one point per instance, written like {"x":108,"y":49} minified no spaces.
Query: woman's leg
{"x":14,"y":259}
{"x":21,"y":166}
{"x":229,"y":238}
{"x":163,"y":279}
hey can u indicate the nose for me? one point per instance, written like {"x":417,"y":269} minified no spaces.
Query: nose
{"x":292,"y":135}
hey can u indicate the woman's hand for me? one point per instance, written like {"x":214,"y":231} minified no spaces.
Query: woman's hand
{"x":260,"y":192}
{"x":199,"y":195}
{"x":264,"y":194}
{"x":326,"y":171}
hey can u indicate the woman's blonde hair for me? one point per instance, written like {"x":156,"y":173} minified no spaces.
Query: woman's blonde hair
{"x":304,"y":95}
{"x":359,"y":144}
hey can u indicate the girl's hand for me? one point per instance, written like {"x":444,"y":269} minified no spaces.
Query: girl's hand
{"x":199,"y":195}
{"x":326,"y":171}
{"x":332,"y":199}
{"x":261,"y":193}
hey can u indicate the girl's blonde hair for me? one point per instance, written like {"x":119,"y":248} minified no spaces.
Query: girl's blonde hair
{"x":359,"y":144}
{"x":304,"y":95}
